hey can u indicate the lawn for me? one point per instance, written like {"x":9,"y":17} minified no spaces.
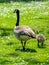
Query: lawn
{"x":33,"y":14}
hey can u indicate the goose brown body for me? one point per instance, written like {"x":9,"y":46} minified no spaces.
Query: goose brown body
{"x":24,"y":33}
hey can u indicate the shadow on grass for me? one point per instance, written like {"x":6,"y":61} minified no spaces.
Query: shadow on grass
{"x":30,"y":61}
{"x":12,"y":54}
{"x":6,"y":31}
{"x":44,"y":46}
{"x":11,"y":43}
{"x":34,"y":61}
{"x":26,"y":50}
{"x":5,"y":62}
{"x":8,"y":1}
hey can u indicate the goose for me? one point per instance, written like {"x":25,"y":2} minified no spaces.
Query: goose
{"x":40,"y":38}
{"x":23,"y":32}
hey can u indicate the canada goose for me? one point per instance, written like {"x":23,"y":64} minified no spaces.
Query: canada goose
{"x":23,"y":33}
{"x":40,"y":38}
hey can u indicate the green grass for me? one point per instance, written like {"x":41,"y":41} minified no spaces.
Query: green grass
{"x":33,"y":14}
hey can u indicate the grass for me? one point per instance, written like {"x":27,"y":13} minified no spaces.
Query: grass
{"x":33,"y":14}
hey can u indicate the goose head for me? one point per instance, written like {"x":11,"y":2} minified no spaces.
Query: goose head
{"x":16,"y":11}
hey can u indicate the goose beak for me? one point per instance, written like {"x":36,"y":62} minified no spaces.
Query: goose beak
{"x":15,"y":11}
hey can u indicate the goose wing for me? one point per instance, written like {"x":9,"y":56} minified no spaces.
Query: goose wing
{"x":28,"y":31}
{"x":25,"y":30}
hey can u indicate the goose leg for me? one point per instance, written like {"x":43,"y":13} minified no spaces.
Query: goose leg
{"x":38,"y":43}
{"x":42,"y":44}
{"x":24,"y":45}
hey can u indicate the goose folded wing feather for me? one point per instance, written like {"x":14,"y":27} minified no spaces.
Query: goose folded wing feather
{"x":27,"y":33}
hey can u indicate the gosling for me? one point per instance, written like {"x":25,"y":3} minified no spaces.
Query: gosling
{"x":40,"y":39}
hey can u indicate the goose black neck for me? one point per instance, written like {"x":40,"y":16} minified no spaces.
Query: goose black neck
{"x":17,"y":24}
